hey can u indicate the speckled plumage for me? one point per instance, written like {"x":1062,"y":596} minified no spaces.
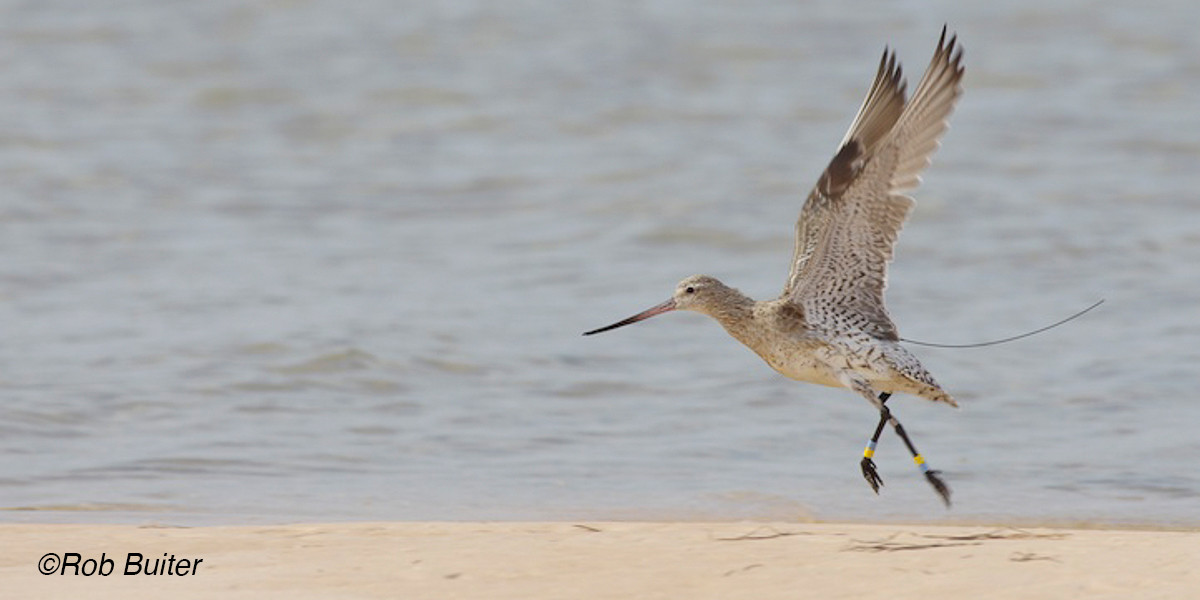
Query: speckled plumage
{"x":849,"y":224}
{"x":830,"y":325}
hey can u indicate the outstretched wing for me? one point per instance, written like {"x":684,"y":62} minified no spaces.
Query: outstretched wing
{"x":848,"y":226}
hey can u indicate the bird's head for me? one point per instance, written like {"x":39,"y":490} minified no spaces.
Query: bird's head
{"x":699,"y":293}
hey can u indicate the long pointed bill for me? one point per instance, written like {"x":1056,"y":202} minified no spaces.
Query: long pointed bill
{"x":667,"y":306}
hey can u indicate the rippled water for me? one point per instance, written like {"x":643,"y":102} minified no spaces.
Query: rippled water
{"x":318,"y":260}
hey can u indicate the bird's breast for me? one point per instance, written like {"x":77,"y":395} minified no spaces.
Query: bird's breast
{"x":776,"y":332}
{"x":805,"y":369}
{"x":799,"y":361}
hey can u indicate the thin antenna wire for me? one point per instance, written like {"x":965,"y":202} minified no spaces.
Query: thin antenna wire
{"x":1008,"y":339}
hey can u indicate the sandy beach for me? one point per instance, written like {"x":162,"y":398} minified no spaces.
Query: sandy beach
{"x":599,"y":560}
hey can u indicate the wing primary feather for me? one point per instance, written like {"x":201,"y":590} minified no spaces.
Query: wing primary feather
{"x":849,"y":224}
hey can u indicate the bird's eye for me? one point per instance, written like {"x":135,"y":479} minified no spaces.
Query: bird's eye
{"x":690,"y":290}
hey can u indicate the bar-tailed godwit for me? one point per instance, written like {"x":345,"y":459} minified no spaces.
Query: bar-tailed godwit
{"x":830,"y":326}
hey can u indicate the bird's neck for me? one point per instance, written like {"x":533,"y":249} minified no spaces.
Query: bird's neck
{"x":759,"y":325}
{"x":736,"y":315}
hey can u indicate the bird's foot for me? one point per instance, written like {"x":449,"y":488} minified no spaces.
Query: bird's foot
{"x":935,"y":479}
{"x":871,"y":475}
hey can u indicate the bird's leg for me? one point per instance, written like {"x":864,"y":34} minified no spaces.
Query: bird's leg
{"x":885,"y":416}
{"x":934,"y":477}
{"x":868,"y":465}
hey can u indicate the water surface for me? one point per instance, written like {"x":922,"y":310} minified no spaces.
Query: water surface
{"x":317,"y":261}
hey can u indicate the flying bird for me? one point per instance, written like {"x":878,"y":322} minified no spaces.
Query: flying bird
{"x":829,"y":326}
